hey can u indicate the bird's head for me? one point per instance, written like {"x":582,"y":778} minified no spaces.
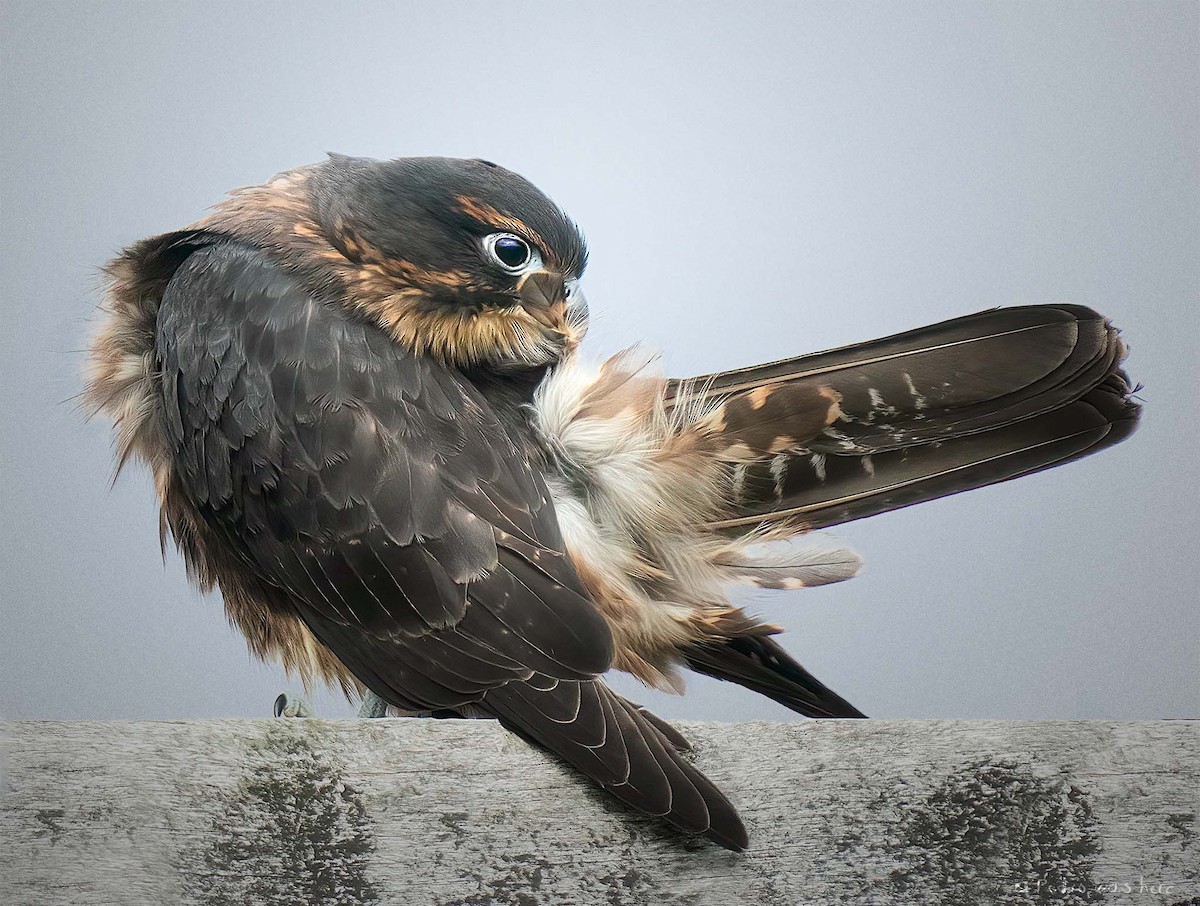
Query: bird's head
{"x":459,"y":259}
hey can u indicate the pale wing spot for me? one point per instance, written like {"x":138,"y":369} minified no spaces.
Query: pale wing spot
{"x":758,"y":396}
{"x":835,"y":407}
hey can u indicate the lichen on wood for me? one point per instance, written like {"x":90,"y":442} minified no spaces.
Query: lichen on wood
{"x":342,"y":813}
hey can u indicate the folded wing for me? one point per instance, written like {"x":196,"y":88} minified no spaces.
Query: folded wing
{"x":377,"y":494}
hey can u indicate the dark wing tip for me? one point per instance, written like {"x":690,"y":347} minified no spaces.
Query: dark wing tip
{"x":618,"y":747}
{"x":761,"y":664}
{"x":727,"y":830}
{"x":673,"y":736}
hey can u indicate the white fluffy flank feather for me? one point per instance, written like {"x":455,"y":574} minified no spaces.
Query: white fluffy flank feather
{"x":637,"y":486}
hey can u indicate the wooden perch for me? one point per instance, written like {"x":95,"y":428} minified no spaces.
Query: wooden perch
{"x":440,"y":812}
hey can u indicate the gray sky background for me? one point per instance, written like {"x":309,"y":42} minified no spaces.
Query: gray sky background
{"x":756,"y":181}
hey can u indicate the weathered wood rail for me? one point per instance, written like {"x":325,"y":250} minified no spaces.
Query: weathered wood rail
{"x":440,"y":812}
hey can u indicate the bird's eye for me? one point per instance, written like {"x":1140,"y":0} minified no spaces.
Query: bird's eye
{"x":511,"y":252}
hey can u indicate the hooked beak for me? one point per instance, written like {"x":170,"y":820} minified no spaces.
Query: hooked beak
{"x":552,"y":301}
{"x":544,"y":296}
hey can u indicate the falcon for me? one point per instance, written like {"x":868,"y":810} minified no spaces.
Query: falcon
{"x":359,"y":393}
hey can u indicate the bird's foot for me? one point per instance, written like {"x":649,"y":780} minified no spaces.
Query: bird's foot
{"x":292,"y":706}
{"x":372,"y":706}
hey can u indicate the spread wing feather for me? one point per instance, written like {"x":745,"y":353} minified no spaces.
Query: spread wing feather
{"x":379,"y":495}
{"x":861,"y":430}
{"x":927,"y":413}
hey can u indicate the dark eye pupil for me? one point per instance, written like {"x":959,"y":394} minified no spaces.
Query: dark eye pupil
{"x":511,"y":251}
